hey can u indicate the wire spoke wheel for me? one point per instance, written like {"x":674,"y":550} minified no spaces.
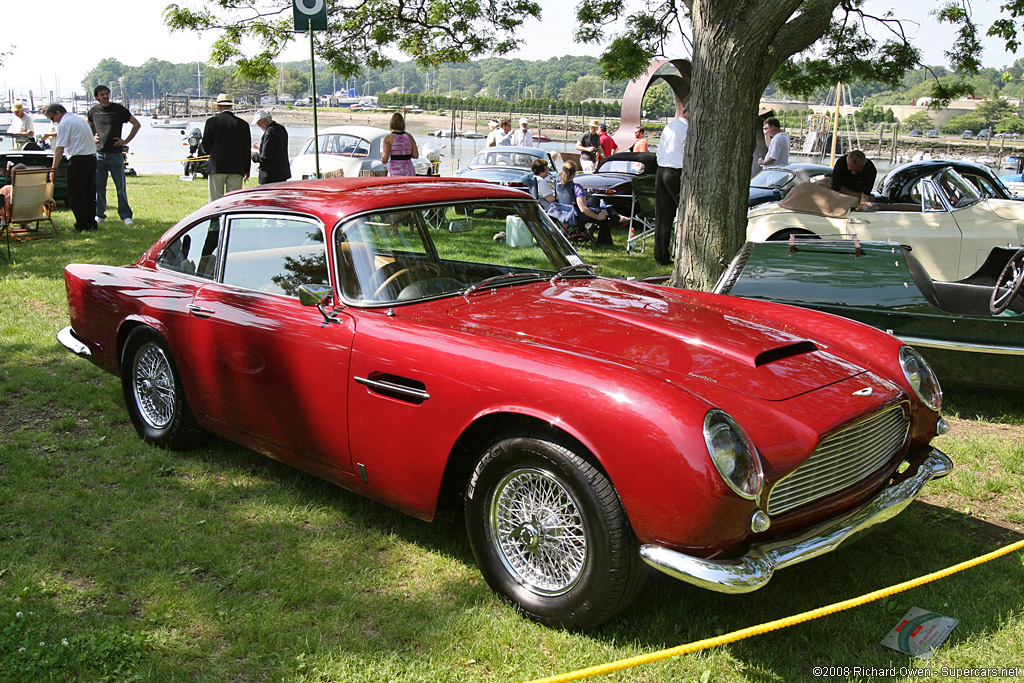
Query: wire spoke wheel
{"x":538,"y":530}
{"x":153,"y":386}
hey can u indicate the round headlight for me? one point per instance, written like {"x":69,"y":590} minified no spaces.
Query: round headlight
{"x":921,"y":378}
{"x":733,"y":454}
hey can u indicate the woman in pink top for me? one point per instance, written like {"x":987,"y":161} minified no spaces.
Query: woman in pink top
{"x":398,"y":148}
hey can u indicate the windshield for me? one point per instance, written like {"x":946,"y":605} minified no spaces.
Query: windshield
{"x":512,"y":159}
{"x":771,"y":178}
{"x":340,"y":144}
{"x":612,"y":165}
{"x":958,"y":191}
{"x":423,"y":252}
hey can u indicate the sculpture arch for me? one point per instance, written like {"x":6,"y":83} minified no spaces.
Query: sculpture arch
{"x":633,"y":99}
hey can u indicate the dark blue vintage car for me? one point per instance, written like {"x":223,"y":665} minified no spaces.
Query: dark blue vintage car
{"x":970,"y":331}
{"x":507,"y":165}
{"x":774,"y":183}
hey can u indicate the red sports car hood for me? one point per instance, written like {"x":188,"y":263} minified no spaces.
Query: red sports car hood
{"x":683,"y":337}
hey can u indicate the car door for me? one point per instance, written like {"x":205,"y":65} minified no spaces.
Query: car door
{"x":266,"y":365}
{"x":932,"y":232}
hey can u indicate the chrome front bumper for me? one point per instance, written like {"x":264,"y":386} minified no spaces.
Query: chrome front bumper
{"x":68,"y":341}
{"x":753,"y":570}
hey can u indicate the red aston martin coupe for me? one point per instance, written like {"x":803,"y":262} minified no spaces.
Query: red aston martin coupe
{"x":436,"y":343}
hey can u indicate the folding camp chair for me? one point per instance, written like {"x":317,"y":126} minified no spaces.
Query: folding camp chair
{"x":642,"y":210}
{"x":31,"y":197}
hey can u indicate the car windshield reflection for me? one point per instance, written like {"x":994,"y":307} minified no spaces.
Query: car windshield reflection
{"x":771,"y":178}
{"x":423,"y":252}
{"x":958,"y":191}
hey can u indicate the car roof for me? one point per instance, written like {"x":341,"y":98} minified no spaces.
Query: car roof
{"x":339,"y":197}
{"x":368,"y":132}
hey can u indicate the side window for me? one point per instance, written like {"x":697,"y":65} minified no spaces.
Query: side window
{"x":274,"y":255}
{"x":930,"y":200}
{"x":983,"y":185}
{"x":195,"y":252}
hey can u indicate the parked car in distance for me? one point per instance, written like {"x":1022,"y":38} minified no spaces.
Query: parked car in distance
{"x":348,"y":151}
{"x":967,"y":134}
{"x":954,"y":325}
{"x":984,"y":133}
{"x":373,"y":331}
{"x":950,"y":226}
{"x":932,"y":133}
{"x":774,"y":183}
{"x":915,"y":133}
{"x":507,"y":165}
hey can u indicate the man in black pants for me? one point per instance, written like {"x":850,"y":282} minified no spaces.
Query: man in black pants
{"x":75,"y":137}
{"x":671,"y":147}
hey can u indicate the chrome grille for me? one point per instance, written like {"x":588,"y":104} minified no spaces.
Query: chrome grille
{"x":842,"y":459}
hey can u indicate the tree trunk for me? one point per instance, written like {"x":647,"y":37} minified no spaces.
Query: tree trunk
{"x":728,"y":37}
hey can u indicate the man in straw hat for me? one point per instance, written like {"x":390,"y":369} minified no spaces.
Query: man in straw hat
{"x":226,"y":139}
{"x":589,"y":147}
{"x":22,"y":123}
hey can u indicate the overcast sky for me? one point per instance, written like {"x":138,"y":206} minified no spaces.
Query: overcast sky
{"x":59,"y":42}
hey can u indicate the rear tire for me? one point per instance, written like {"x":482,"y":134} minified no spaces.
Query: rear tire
{"x":153,"y":393}
{"x":549,"y":533}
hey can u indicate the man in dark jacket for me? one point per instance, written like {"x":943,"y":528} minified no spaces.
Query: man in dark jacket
{"x":854,"y":175}
{"x":226,"y":139}
{"x":272,"y":155}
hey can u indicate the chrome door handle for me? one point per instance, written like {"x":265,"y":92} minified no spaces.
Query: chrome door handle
{"x":859,"y":221}
{"x":199,"y":311}
{"x":418,"y":395}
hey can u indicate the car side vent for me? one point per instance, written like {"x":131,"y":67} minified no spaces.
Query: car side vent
{"x":782,"y":352}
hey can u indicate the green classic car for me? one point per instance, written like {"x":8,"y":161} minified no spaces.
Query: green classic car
{"x":970,"y":331}
{"x":18,"y":149}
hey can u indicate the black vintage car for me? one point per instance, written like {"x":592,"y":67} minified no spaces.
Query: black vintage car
{"x":613,"y":180}
{"x":899,"y":186}
{"x":22,"y":149}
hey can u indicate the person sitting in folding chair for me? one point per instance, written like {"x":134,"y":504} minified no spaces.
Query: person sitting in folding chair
{"x":602,"y":217}
{"x":6,"y":210}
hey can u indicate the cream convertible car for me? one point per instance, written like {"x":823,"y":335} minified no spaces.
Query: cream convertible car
{"x":950,"y":227}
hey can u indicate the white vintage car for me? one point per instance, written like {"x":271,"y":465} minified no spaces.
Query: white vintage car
{"x":349,"y":152}
{"x":949,"y":225}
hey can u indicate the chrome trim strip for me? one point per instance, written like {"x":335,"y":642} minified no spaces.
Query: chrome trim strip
{"x":394,"y":388}
{"x":71,"y":343}
{"x":963,"y":346}
{"x":755,"y":569}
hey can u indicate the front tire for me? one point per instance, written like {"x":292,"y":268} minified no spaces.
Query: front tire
{"x":153,"y":393}
{"x":549,"y":533}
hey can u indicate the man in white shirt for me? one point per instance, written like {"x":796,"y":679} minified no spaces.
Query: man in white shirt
{"x":523,"y":137}
{"x":75,"y":138}
{"x":778,"y":144}
{"x":671,"y":150}
{"x":492,"y":133}
{"x":22,"y":123}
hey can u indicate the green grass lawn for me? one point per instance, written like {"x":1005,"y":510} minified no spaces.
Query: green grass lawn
{"x":122,"y":562}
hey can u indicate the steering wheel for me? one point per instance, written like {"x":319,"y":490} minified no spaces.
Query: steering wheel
{"x":407,"y":277}
{"x":1008,"y":284}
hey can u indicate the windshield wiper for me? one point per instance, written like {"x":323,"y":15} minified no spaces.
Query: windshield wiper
{"x":576,"y":266}
{"x":497,"y":279}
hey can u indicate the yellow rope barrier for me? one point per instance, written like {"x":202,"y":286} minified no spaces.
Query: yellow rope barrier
{"x":778,"y":623}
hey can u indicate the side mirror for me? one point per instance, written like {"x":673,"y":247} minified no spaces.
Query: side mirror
{"x":460,"y":225}
{"x":317,"y":295}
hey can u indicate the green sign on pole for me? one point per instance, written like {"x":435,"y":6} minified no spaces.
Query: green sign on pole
{"x":310,"y":15}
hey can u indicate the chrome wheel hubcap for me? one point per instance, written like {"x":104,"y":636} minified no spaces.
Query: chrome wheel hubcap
{"x":537,"y":529}
{"x":153,"y":385}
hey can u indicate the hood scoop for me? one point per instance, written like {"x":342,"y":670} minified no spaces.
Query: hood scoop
{"x":784,"y":352}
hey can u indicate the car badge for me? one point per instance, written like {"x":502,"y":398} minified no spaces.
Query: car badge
{"x":866,"y":391}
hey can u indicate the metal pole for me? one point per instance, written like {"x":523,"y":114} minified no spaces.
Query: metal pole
{"x":312,"y":81}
